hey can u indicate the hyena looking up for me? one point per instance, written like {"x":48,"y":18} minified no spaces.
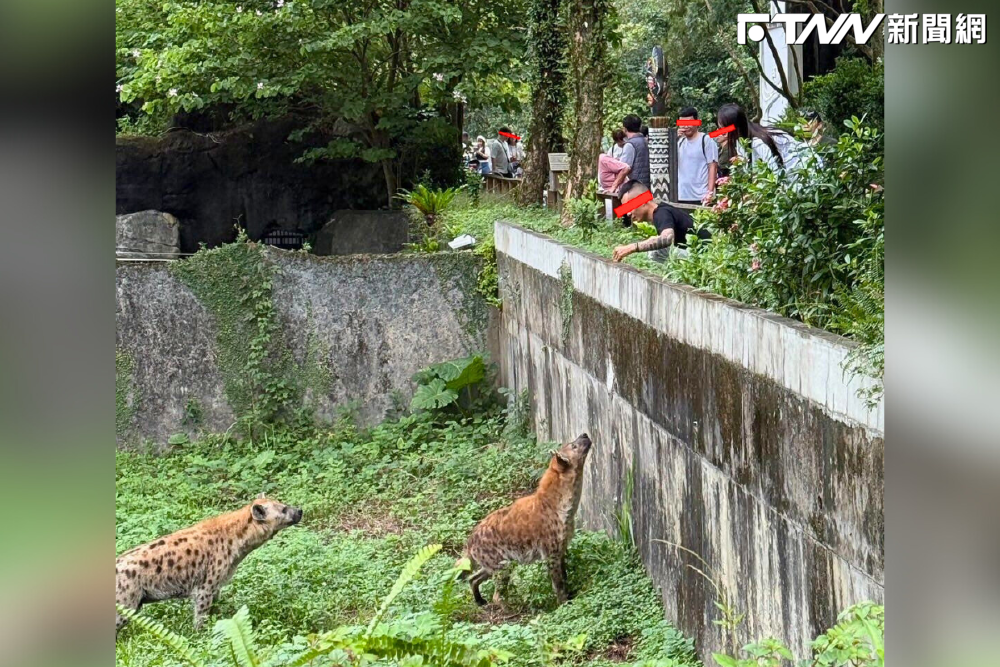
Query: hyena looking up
{"x":533,"y":528}
{"x":197,"y":561}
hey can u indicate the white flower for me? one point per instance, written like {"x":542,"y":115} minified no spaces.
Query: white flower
{"x":239,"y":9}
{"x":281,"y":3}
{"x":119,"y":88}
{"x":439,"y":76}
{"x":136,"y":53}
{"x":458,"y":95}
{"x":260,"y":85}
{"x":259,"y":13}
{"x":172,"y":92}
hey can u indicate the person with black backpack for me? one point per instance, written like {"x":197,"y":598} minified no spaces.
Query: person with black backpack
{"x":697,"y":161}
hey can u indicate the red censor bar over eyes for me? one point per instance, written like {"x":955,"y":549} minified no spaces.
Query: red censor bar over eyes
{"x":681,"y":122}
{"x":508,"y":134}
{"x":634,"y":204}
{"x":722,"y":130}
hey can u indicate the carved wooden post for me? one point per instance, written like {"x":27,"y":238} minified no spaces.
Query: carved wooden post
{"x":662,"y":136}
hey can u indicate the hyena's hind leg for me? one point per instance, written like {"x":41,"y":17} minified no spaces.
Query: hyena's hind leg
{"x":475,"y":580}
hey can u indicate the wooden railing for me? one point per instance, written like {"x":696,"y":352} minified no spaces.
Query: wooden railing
{"x":500,"y":184}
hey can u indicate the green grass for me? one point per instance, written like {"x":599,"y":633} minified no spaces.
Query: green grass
{"x":372,"y":498}
{"x":462,"y":218}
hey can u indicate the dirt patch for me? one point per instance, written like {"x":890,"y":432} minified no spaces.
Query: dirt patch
{"x":496,"y":614}
{"x":374,"y":520}
{"x":620,"y":650}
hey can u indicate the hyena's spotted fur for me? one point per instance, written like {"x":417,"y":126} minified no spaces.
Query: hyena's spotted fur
{"x":533,"y":528}
{"x":197,"y":561}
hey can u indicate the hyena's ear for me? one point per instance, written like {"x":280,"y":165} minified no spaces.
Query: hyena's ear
{"x":259,"y":512}
{"x":562,"y":463}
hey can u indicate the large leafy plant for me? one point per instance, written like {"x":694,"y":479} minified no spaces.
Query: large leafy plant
{"x":455,"y":384}
{"x":429,"y":203}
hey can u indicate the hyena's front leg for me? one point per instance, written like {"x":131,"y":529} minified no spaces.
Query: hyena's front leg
{"x":557,"y":570}
{"x":201,"y":600}
{"x":130,"y":599}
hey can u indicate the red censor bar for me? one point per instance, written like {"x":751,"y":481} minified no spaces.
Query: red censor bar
{"x":722,"y":130}
{"x":634,"y":204}
{"x":508,"y":134}
{"x":681,"y":122}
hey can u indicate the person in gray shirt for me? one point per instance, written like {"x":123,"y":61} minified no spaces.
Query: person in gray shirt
{"x":697,"y":161}
{"x":500,"y":154}
{"x":635,"y":154}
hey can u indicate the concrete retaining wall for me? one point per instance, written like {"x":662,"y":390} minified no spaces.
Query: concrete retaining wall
{"x":372,"y":321}
{"x":746,"y":442}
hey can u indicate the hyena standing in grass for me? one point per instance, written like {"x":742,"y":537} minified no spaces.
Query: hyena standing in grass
{"x":197,"y":561}
{"x":533,"y":528}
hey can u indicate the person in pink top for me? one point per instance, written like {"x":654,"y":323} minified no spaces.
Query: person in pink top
{"x":608,"y":169}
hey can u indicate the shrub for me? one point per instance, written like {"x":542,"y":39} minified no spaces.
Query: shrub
{"x":855,"y":87}
{"x":856,"y":641}
{"x":430,"y":203}
{"x":810,"y":248}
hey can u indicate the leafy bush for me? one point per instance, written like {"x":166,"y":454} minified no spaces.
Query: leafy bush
{"x":459,"y":383}
{"x":856,"y":641}
{"x":810,"y":248}
{"x":855,"y":88}
{"x":429,"y":203}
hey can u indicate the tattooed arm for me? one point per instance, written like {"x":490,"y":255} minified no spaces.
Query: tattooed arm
{"x":665,"y":239}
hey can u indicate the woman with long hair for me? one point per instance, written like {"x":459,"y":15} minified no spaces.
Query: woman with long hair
{"x":482,"y":154}
{"x":769,"y":144}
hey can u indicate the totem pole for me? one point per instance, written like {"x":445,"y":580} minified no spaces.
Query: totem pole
{"x":662,"y":137}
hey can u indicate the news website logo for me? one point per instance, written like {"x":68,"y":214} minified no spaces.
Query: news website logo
{"x":899,"y":28}
{"x":826,"y":34}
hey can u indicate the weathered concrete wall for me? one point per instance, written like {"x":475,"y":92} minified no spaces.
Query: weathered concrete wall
{"x":372,"y":321}
{"x":746,"y":443}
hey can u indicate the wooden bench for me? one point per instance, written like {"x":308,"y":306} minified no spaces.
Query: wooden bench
{"x":611,"y":202}
{"x":558,"y":167}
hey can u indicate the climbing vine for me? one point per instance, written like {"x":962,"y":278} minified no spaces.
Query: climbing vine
{"x":547,"y":39}
{"x":234,"y":282}
{"x":566,"y":300}
{"x":455,"y":269}
{"x":126,"y":395}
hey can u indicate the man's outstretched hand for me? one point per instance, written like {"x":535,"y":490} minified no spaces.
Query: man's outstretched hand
{"x":622,"y":251}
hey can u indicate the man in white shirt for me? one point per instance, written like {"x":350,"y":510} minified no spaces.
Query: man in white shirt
{"x":697,"y":161}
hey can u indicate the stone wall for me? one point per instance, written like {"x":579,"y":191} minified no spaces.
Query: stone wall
{"x":359,"y":325}
{"x":744,"y":439}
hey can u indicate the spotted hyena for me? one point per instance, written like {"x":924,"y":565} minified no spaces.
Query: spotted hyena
{"x":533,"y":528}
{"x":197,"y":561}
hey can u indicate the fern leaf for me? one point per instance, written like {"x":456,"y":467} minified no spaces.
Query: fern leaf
{"x":410,"y":570}
{"x":179,"y":644}
{"x":238,"y":632}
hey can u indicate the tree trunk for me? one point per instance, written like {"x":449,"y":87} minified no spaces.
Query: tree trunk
{"x":547,"y":43}
{"x":588,"y":30}
{"x":389,"y":172}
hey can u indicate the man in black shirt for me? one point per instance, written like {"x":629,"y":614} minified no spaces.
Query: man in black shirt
{"x":672,"y":226}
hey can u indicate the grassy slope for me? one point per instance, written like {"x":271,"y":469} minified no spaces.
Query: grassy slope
{"x":478,"y":222}
{"x":371,"y":499}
